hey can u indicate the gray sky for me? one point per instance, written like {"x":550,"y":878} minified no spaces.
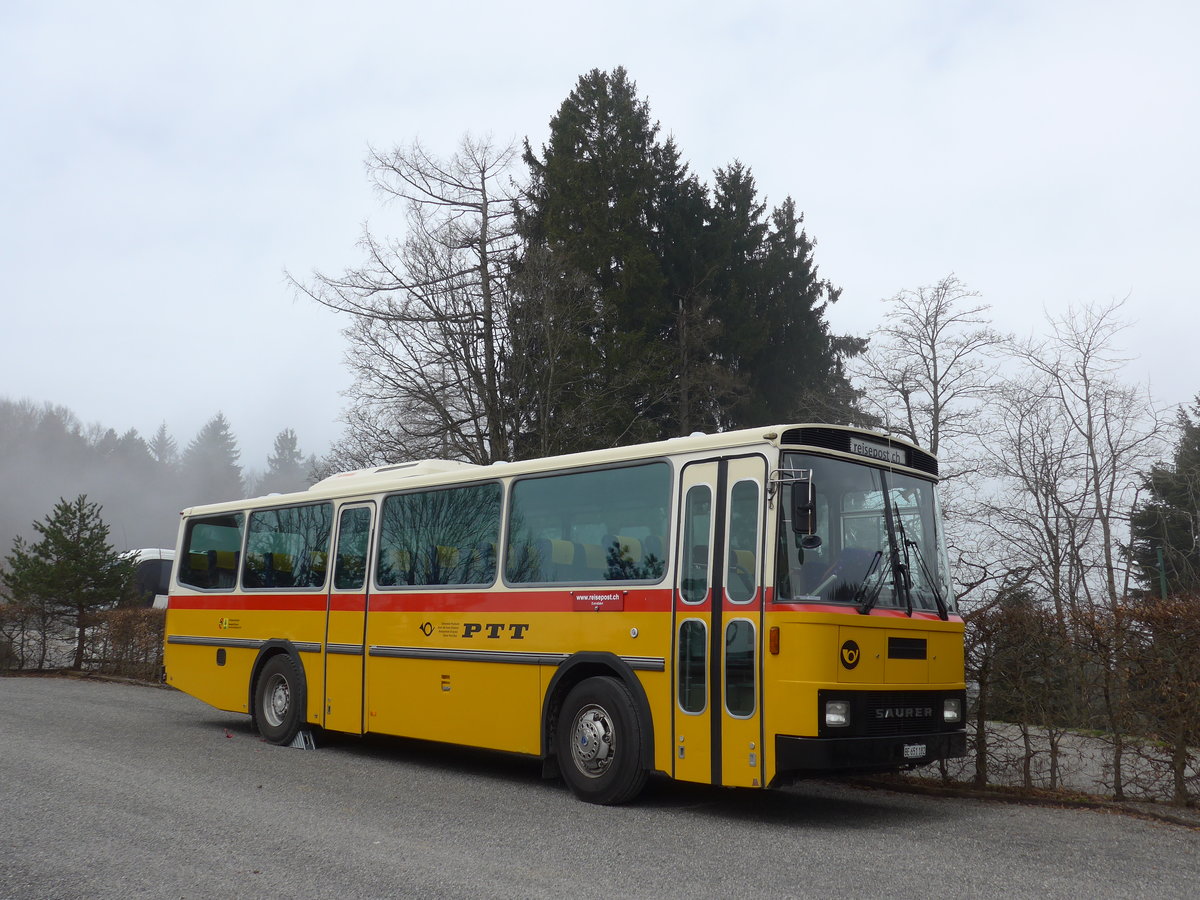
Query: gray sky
{"x":164,"y":163}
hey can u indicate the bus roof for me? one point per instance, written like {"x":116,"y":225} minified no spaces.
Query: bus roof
{"x":418,"y":473}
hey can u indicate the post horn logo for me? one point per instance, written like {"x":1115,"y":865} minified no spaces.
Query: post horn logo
{"x":850,"y":654}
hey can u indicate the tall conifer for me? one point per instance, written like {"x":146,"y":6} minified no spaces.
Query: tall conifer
{"x":209,"y":468}
{"x":1169,"y":516}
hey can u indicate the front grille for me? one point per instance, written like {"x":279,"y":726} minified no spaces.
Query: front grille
{"x":902,"y":714}
{"x":906,"y":648}
{"x":882,"y":713}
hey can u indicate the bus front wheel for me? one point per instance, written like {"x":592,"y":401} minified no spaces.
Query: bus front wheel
{"x":279,"y":699}
{"x":599,"y":742}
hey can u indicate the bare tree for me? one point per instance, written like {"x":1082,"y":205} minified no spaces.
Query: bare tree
{"x":1035,"y":510}
{"x":930,"y":363}
{"x":1067,"y":443}
{"x":924,"y":377}
{"x":431,"y":313}
{"x":1113,"y":430}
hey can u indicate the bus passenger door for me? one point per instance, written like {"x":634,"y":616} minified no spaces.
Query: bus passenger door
{"x":346,"y":620}
{"x":718,"y":604}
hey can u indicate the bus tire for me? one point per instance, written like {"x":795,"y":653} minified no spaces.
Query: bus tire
{"x":279,"y":699}
{"x":599,"y":742}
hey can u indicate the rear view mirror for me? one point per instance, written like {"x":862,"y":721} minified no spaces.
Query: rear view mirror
{"x":804,"y":506}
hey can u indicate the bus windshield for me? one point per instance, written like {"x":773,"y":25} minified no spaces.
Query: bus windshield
{"x":878,"y":540}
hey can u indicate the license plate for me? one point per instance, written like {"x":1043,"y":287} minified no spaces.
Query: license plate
{"x":914,"y":751}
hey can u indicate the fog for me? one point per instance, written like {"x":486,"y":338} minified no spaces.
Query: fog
{"x":141,"y":481}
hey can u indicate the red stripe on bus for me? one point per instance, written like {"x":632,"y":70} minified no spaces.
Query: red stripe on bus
{"x":347,"y":603}
{"x":515,"y":601}
{"x":644,"y":601}
{"x":843,"y":609}
{"x":521,"y":601}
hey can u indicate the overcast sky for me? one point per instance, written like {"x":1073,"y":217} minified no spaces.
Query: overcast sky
{"x":164,"y":163}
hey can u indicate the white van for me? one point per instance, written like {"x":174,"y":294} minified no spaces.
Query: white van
{"x":153,"y":575}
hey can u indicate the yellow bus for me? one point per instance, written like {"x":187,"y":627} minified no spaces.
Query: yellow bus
{"x":738,"y":609}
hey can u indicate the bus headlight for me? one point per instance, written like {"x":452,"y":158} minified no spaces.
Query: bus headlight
{"x":952,"y":711}
{"x":837,"y":713}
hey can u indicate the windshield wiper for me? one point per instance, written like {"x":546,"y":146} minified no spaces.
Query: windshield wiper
{"x":901,"y":581}
{"x":905,"y":574}
{"x":943,"y":610}
{"x":862,"y":587}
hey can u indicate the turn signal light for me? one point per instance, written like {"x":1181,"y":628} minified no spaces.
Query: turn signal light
{"x":773,"y":640}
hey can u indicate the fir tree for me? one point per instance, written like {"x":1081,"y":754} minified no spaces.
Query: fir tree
{"x":209,"y":467}
{"x":70,"y":572}
{"x":286,"y":467}
{"x":706,"y":314}
{"x":1169,"y":516}
{"x":594,"y":208}
{"x":163,"y":448}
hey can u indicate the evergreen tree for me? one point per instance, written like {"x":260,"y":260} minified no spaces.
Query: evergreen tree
{"x":1169,"y":516}
{"x":163,"y":448}
{"x":800,"y":372}
{"x":739,"y":232}
{"x":594,"y":207}
{"x":286,"y":467}
{"x":705,"y":314}
{"x":209,"y":467}
{"x":71,"y":572}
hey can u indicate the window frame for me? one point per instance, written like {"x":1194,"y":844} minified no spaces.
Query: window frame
{"x":730,"y":550}
{"x":704,"y":682}
{"x":308,"y":589}
{"x":185,"y":551}
{"x":380,"y":541}
{"x":753,"y":667}
{"x":685,"y":551}
{"x":507,"y":529}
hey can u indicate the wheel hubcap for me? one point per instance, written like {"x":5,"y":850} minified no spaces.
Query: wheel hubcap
{"x":593,"y":744}
{"x":279,"y":698}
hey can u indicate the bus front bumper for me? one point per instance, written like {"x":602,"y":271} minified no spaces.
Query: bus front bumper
{"x":806,"y":756}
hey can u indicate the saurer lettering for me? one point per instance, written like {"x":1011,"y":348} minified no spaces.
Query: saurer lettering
{"x":904,"y":712}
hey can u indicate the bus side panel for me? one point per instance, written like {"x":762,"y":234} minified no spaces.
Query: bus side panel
{"x":657,"y":686}
{"x":489,"y":705}
{"x":195,"y":671}
{"x":487,"y":686}
{"x":198,"y":670}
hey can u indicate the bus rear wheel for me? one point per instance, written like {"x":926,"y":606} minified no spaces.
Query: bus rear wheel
{"x":279,"y":699}
{"x":599,"y":742}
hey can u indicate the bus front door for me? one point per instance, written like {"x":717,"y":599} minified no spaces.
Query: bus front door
{"x":718,"y":606}
{"x":346,"y":621}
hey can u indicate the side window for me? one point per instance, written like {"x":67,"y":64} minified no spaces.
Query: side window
{"x":211,"y":548}
{"x":739,"y":668}
{"x":693,"y":666}
{"x":440,"y":537}
{"x":354,"y":535}
{"x":697,"y":522}
{"x":605,"y":525}
{"x":742,"y":572}
{"x":288,"y":548}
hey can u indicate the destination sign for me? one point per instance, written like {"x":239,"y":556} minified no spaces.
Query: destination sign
{"x":882,"y":452}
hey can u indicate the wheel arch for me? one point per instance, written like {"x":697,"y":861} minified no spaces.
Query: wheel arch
{"x":589,"y":664}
